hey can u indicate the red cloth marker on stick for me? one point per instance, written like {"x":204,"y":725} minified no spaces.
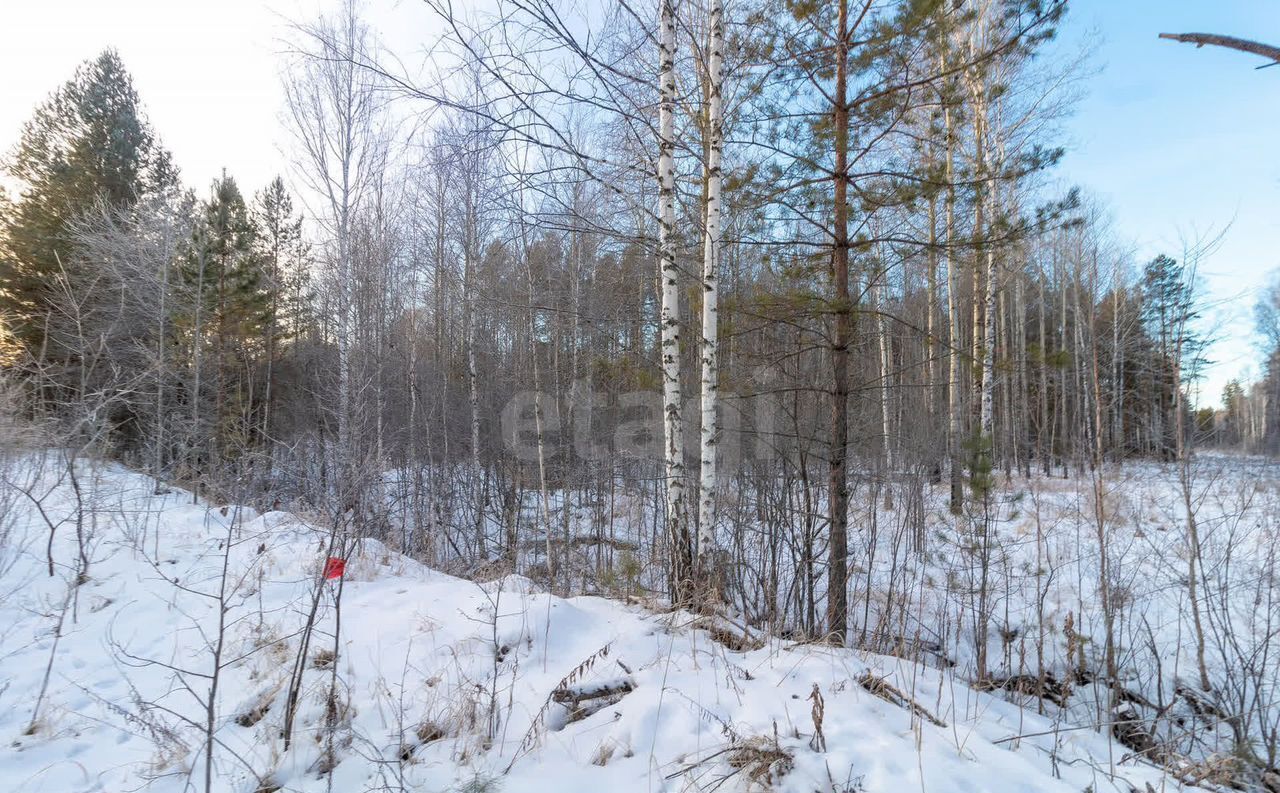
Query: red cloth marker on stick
{"x":334,"y":568}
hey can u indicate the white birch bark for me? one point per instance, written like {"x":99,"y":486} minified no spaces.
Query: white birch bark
{"x":544,"y":500}
{"x":710,"y":288}
{"x":342,"y":135}
{"x":985,"y":412}
{"x":162,"y":357}
{"x":987,"y":201}
{"x":673,"y":425}
{"x":197,"y":350}
{"x":473,"y":384}
{"x":345,"y":107}
{"x":954,"y":414}
{"x":886,"y":409}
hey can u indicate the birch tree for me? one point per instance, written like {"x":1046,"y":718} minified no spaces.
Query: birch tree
{"x":710,"y":289}
{"x":340,"y":131}
{"x":681,"y":572}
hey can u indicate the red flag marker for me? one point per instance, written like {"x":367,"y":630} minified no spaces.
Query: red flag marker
{"x":334,"y":568}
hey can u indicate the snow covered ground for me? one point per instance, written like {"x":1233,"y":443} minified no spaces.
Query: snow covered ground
{"x":443,"y":684}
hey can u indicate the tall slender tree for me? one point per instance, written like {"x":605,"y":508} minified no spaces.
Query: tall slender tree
{"x":712,"y":244}
{"x":668,"y":274}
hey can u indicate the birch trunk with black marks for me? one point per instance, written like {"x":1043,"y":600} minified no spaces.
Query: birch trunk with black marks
{"x":681,"y":572}
{"x":710,"y":295}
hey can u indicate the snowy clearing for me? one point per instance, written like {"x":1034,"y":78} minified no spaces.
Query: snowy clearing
{"x":443,"y":684}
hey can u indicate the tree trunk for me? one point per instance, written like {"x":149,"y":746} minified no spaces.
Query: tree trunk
{"x":838,"y":486}
{"x":469,"y":253}
{"x":1183,"y":454}
{"x":681,"y":573}
{"x":710,"y":301}
{"x":955,"y":414}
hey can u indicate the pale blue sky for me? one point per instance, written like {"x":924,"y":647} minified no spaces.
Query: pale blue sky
{"x":1179,"y":142}
{"x":1175,"y":140}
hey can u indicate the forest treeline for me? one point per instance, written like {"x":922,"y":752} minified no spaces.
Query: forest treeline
{"x":591,"y":253}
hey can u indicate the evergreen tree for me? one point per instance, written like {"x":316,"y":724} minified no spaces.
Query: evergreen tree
{"x":1167,"y":304}
{"x":1233,"y":401}
{"x":87,"y":143}
{"x":282,"y":252}
{"x":226,"y":319}
{"x":1169,"y":315}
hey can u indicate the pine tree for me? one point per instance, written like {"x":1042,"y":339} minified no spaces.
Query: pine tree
{"x":1168,"y":312}
{"x":281,"y":250}
{"x":1233,"y":401}
{"x":87,"y":143}
{"x":227,"y":318}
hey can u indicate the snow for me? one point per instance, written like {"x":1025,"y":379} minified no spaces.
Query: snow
{"x":445,"y":684}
